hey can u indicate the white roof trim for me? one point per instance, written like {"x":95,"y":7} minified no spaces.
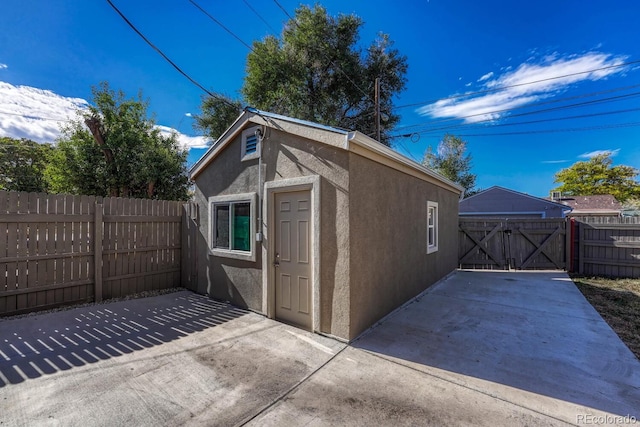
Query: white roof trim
{"x":393,"y":158}
{"x":355,"y":142}
{"x":218,"y":145}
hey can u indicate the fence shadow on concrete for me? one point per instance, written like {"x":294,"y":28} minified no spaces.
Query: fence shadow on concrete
{"x":35,"y":346}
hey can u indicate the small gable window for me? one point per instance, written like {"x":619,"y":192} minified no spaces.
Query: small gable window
{"x":250,"y":144}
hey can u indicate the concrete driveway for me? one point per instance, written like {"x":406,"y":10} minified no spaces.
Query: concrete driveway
{"x":480,"y":348}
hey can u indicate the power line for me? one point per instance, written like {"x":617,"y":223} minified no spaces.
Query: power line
{"x":404,"y":147}
{"x":580,"y":129}
{"x":166,"y":58}
{"x":283,"y":9}
{"x":555,"y":119}
{"x":554,"y":101}
{"x":220,"y":24}
{"x":545,"y":110}
{"x":259,"y":16}
{"x":501,"y":88}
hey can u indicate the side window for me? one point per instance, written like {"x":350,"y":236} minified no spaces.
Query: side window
{"x":232,"y":226}
{"x":432,"y":227}
{"x":250,"y":144}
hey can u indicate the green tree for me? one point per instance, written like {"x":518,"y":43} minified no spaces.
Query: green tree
{"x":217,"y":114}
{"x":450,"y":160}
{"x":22,"y":164}
{"x":598,"y":176}
{"x":316,"y":71}
{"x":115,"y":149}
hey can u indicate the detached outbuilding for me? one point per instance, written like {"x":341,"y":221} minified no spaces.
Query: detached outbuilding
{"x":499,"y":202}
{"x":319,"y":227}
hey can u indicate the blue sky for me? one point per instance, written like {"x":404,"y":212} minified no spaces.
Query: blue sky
{"x":569,"y":93}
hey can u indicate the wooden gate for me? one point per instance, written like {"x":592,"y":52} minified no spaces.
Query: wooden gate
{"x":504,"y":244}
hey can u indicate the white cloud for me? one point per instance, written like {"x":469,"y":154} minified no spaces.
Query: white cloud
{"x":553,"y":162}
{"x":28,"y":112}
{"x":595,"y":153}
{"x":529,"y":82}
{"x":486,"y":76}
{"x":3,"y":66}
{"x":37,"y":114}
{"x":185,"y":141}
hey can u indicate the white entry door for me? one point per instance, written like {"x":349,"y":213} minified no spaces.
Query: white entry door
{"x":292,"y":258}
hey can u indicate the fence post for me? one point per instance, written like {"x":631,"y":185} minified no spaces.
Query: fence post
{"x":568,"y":244}
{"x":580,"y":226}
{"x":97,"y":252}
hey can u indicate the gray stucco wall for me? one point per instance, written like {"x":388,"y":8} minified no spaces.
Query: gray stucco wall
{"x":496,"y":200}
{"x":237,"y":281}
{"x":372,"y":231}
{"x":290,"y":157}
{"x":389,"y":260}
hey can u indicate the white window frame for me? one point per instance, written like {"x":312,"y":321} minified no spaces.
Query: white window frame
{"x":250,"y":198}
{"x":244,"y":156}
{"x":432,"y":246}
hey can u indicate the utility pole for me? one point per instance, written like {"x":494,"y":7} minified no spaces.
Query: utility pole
{"x":377,"y":107}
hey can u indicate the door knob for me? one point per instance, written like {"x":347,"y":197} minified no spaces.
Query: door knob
{"x":276,"y":260}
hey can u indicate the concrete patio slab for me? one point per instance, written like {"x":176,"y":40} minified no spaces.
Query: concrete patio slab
{"x":529,"y":338}
{"x":175,"y":359}
{"x":480,"y":348}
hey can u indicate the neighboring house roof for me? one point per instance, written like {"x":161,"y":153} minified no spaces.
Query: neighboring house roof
{"x":353,"y":141}
{"x":604,"y":204}
{"x":517,"y":203}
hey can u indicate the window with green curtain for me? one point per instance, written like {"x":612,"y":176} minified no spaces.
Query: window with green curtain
{"x":233,"y":226}
{"x":241,"y":226}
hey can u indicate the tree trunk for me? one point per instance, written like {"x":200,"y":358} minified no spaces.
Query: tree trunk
{"x":93,"y":123}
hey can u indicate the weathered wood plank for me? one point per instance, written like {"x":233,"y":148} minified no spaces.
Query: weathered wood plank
{"x":167,"y":272}
{"x":4,"y":231}
{"x":143,"y":219}
{"x":98,"y":242}
{"x":22,"y":251}
{"x":58,"y":286}
{"x":32,"y":248}
{"x":52,"y":252}
{"x":12,"y":251}
{"x":29,"y":218}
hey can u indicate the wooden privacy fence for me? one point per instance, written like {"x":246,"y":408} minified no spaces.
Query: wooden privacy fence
{"x":494,"y":243}
{"x":59,"y":249}
{"x":607,"y":247}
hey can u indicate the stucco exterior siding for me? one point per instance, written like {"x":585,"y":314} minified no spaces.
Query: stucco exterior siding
{"x":290,"y":157}
{"x":227,"y":279}
{"x":388,"y":226}
{"x":362,"y":209}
